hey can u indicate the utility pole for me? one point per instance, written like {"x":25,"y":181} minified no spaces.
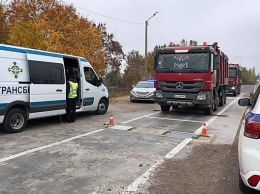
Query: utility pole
{"x":145,"y":58}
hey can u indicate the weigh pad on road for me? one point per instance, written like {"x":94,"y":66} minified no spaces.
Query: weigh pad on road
{"x":179,"y":134}
{"x":121,"y":127}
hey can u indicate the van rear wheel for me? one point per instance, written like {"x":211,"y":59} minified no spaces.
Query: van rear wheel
{"x":102,"y":107}
{"x":15,"y":121}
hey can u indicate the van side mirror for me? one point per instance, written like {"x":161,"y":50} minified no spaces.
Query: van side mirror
{"x":99,"y":81}
{"x":216,"y":63}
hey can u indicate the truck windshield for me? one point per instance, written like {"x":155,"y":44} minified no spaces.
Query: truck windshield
{"x":232,"y":72}
{"x":183,"y":62}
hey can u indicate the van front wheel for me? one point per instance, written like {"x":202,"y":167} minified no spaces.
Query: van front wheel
{"x":15,"y":121}
{"x":102,"y":107}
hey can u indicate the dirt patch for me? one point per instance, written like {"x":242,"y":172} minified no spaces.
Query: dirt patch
{"x":114,"y":100}
{"x":209,"y":169}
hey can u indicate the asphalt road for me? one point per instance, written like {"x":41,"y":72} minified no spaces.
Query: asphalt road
{"x":51,"y":156}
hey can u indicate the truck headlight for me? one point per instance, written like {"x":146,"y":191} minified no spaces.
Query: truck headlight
{"x":233,"y":88}
{"x":201,"y":97}
{"x":158,"y":95}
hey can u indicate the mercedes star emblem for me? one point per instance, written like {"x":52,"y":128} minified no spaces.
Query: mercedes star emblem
{"x":179,"y":85}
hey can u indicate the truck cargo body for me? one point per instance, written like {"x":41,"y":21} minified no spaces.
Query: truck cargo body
{"x":191,"y":76}
{"x":235,"y":79}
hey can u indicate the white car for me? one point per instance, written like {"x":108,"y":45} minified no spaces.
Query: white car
{"x":249,"y":145}
{"x":143,"y":90}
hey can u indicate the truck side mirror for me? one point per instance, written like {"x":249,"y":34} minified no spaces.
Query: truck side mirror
{"x":216,"y":63}
{"x":155,"y":61}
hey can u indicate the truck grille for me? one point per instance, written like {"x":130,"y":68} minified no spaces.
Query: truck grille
{"x":180,"y":87}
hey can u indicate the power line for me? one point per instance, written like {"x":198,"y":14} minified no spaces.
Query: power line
{"x":130,"y":22}
{"x":158,"y":33}
{"x":255,"y":57}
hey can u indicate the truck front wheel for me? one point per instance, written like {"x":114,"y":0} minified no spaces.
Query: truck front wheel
{"x":165,"y":108}
{"x":209,"y":110}
{"x":235,"y":93}
{"x":15,"y":121}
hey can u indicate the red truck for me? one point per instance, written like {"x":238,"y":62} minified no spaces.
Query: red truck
{"x":191,"y":76}
{"x":234,"y":81}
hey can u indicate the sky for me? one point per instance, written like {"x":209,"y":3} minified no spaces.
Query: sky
{"x":234,"y":24}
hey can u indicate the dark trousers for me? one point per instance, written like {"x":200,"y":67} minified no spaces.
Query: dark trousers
{"x":71,"y":109}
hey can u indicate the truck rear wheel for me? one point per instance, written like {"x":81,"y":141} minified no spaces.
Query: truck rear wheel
{"x":15,"y":121}
{"x":225,"y":97}
{"x":222,"y":98}
{"x":216,"y":102}
{"x":165,"y":108}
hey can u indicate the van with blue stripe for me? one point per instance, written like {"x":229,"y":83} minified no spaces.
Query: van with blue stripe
{"x":33,"y":85}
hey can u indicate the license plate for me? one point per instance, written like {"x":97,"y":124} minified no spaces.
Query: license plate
{"x":179,"y":96}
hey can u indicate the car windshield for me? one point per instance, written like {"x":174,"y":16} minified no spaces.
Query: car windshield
{"x":183,"y":62}
{"x":144,"y":85}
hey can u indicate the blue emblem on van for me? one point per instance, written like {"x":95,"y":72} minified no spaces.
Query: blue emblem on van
{"x":15,"y":70}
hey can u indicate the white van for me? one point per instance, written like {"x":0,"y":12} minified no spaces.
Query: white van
{"x":33,"y":85}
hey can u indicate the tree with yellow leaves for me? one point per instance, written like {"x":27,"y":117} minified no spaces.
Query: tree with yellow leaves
{"x":53,"y":26}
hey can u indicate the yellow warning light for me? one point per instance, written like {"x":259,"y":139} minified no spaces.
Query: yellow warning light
{"x":204,"y":43}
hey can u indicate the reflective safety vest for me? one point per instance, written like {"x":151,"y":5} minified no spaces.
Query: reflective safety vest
{"x":73,"y":89}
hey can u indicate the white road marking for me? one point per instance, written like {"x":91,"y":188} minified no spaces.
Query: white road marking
{"x":141,"y":180}
{"x":223,"y":110}
{"x":139,"y":118}
{"x":145,"y":176}
{"x":47,"y":146}
{"x":60,"y":142}
{"x":174,"y":119}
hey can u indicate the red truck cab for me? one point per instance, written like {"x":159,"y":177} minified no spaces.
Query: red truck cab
{"x":191,"y":76}
{"x":234,"y":81}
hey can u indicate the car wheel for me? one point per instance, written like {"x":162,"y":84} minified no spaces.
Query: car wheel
{"x":132,"y":100}
{"x":15,"y":121}
{"x":102,"y":107}
{"x":165,"y":108}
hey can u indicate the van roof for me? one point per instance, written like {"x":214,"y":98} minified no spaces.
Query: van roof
{"x":18,"y":49}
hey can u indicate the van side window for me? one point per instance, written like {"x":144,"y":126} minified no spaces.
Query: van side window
{"x":90,"y":76}
{"x":56,"y":73}
{"x":46,"y":72}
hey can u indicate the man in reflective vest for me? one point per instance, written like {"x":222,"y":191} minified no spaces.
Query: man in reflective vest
{"x":72,"y":92}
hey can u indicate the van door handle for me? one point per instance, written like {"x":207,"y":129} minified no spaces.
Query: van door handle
{"x":87,"y":89}
{"x":58,"y":90}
